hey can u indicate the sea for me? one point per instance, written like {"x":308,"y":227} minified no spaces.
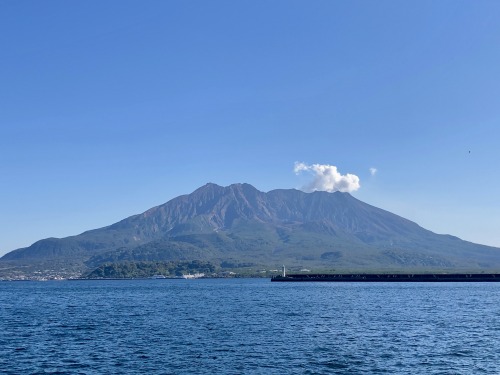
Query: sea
{"x":248,"y":326}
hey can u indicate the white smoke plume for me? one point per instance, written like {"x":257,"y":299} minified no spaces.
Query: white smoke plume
{"x":373,"y":171}
{"x":327,"y":178}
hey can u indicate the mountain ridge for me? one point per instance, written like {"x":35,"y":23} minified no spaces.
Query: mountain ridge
{"x":239,"y":224}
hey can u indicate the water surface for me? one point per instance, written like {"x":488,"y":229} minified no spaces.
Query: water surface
{"x":248,"y":326}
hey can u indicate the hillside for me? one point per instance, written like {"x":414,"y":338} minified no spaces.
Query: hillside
{"x":239,"y":226}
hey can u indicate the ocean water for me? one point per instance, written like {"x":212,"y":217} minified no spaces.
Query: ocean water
{"x":248,"y":326}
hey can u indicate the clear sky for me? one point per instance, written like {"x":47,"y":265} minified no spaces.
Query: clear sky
{"x":110,"y":107}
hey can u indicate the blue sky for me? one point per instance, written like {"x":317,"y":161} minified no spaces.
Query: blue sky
{"x":108,"y":108}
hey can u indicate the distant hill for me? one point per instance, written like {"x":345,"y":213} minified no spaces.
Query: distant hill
{"x":239,"y":226}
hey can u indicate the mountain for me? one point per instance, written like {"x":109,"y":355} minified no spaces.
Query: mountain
{"x":239,"y":226}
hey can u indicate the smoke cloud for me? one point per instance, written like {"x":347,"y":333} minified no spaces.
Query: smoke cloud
{"x":373,"y":171}
{"x":327,"y":178}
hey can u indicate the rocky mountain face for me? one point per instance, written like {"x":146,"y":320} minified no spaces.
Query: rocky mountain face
{"x":238,"y":226}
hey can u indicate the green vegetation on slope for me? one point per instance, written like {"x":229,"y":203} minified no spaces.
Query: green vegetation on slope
{"x":240,"y":226}
{"x":134,"y":270}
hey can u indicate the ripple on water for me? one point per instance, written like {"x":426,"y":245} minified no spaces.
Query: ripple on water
{"x":248,"y":326}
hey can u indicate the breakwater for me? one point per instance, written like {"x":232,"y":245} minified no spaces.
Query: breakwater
{"x":437,"y":277}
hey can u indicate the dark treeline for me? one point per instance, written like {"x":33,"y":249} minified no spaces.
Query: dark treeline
{"x":128,"y":270}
